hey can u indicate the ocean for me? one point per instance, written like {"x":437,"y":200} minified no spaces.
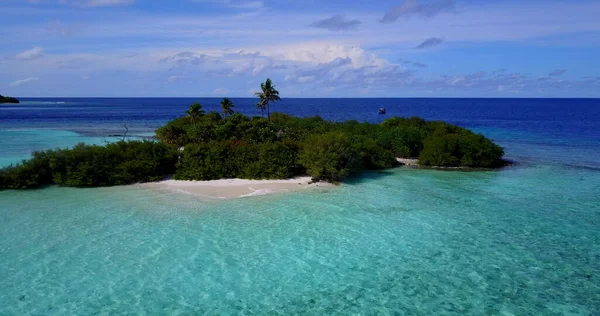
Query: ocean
{"x":524,"y":240}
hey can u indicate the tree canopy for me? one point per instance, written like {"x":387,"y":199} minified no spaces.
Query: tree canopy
{"x":194,"y":112}
{"x":4,"y":99}
{"x":266,"y":96}
{"x":207,"y":146}
{"x":227,"y":107}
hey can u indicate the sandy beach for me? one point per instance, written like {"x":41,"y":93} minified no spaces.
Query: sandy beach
{"x":235,"y":188}
{"x":408,"y":161}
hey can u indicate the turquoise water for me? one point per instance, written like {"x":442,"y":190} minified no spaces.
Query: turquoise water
{"x":17,"y":144}
{"x":515,"y":242}
{"x":524,"y":240}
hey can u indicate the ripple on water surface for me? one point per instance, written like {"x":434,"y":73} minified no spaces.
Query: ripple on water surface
{"x":412,"y":242}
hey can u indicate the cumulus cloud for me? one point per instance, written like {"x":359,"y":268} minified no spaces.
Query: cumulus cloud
{"x":87,"y":3}
{"x":336,"y":23}
{"x":23,"y":81}
{"x":430,"y":42}
{"x":557,"y":72}
{"x":107,"y":3}
{"x":503,"y":82}
{"x":30,"y":54}
{"x":308,"y":74}
{"x":236,"y":4}
{"x":186,"y":58}
{"x":93,"y":3}
{"x":411,"y":8}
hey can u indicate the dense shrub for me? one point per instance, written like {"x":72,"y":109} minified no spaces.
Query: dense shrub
{"x":172,"y":135}
{"x":330,"y":156}
{"x":277,"y":160}
{"x":460,"y":149}
{"x":442,"y":150}
{"x":235,"y":159}
{"x":478,"y":151}
{"x":4,"y":99}
{"x":258,"y":130}
{"x":372,"y":156}
{"x":91,"y":166}
{"x":31,"y":173}
{"x":203,"y":161}
{"x":257,"y":148}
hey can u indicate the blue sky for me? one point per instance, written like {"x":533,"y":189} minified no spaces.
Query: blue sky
{"x":310,"y":48}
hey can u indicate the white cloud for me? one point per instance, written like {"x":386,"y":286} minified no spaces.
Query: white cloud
{"x":336,"y":22}
{"x":200,"y":46}
{"x":30,"y":54}
{"x":235,"y":4}
{"x":106,"y":3}
{"x":95,"y":3}
{"x":413,"y":8}
{"x":23,"y":81}
{"x":319,"y":53}
{"x":86,"y":3}
{"x":305,"y":79}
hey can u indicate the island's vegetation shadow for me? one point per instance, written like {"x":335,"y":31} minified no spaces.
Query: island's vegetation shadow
{"x":359,"y":178}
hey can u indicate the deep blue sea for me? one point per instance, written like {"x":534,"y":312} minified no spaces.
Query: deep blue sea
{"x":524,"y":240}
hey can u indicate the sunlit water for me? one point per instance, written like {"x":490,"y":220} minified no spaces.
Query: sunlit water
{"x":520,"y":241}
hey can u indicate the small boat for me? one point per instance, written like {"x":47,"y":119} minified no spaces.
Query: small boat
{"x":381,"y":110}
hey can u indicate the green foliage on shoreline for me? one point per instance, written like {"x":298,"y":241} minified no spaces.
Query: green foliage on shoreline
{"x":228,"y":147}
{"x":92,"y":166}
{"x":4,"y":99}
{"x":208,"y":146}
{"x":238,"y":159}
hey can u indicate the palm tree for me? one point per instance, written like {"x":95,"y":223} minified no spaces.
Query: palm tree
{"x":269,"y":94}
{"x":262,"y":103}
{"x":195,"y":112}
{"x":227,"y":107}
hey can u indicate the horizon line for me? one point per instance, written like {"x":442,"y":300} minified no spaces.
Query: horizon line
{"x":219,"y":97}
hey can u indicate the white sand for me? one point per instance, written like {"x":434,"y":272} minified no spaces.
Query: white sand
{"x":234,"y":188}
{"x":408,"y":161}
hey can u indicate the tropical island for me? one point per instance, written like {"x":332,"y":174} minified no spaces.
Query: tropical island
{"x":4,"y":99}
{"x":228,"y":145}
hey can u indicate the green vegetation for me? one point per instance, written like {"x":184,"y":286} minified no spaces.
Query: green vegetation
{"x":206,"y":146}
{"x":238,"y":146}
{"x":194,"y":112}
{"x":92,"y":166}
{"x":227,"y":107}
{"x":4,"y":99}
{"x":267,"y":96}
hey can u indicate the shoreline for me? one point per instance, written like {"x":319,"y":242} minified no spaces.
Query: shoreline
{"x":414,"y":163}
{"x":224,"y":189}
{"x":410,"y":162}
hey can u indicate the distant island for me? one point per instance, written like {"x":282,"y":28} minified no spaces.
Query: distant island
{"x":4,"y":99}
{"x":227,"y":145}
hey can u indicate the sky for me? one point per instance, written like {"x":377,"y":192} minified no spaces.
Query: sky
{"x":309,"y":48}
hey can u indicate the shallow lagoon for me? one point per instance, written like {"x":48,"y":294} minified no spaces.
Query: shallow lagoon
{"x":523,"y":240}
{"x":517,"y":241}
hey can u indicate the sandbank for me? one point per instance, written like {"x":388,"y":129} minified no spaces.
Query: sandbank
{"x":408,"y":161}
{"x":234,"y":188}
